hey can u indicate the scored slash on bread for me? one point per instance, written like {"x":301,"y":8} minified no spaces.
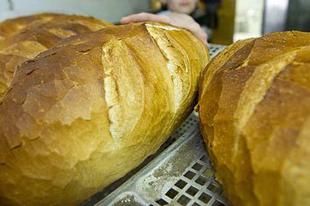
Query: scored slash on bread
{"x":254,"y":108}
{"x":84,"y":113}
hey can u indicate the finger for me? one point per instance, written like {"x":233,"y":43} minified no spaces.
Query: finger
{"x":144,"y":17}
{"x":203,"y":37}
{"x":199,"y":32}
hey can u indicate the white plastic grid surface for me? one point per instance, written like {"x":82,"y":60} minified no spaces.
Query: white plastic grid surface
{"x":196,"y":187}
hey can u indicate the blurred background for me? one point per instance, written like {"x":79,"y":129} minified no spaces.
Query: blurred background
{"x":225,"y":21}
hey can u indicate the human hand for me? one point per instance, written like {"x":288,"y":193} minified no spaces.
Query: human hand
{"x":175,"y":19}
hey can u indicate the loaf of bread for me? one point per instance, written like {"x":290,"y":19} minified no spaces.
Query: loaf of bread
{"x":84,"y":113}
{"x":254,"y":107}
{"x":24,"y":38}
{"x":12,"y":26}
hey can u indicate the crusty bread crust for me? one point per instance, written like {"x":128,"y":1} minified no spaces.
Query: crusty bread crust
{"x":23,"y":38}
{"x":254,"y":107}
{"x":84,"y":113}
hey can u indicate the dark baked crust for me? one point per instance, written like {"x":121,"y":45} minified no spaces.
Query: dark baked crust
{"x":254,"y":107}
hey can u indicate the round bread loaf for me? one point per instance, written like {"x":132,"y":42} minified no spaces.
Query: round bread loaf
{"x":24,"y":38}
{"x":254,"y":107}
{"x":84,"y":113}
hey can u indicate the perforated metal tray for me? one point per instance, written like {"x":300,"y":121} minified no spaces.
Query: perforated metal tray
{"x":180,"y":173}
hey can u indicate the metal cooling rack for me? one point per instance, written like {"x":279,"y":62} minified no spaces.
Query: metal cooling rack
{"x":179,"y":174}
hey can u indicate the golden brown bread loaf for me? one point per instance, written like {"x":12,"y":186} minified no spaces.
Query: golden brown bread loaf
{"x":84,"y":113}
{"x":254,"y":107}
{"x":12,"y":26}
{"x":24,"y":38}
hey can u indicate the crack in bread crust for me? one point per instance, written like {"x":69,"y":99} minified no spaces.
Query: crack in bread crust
{"x":89,"y":110}
{"x":256,"y":88}
{"x":254,"y":107}
{"x":166,"y":47}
